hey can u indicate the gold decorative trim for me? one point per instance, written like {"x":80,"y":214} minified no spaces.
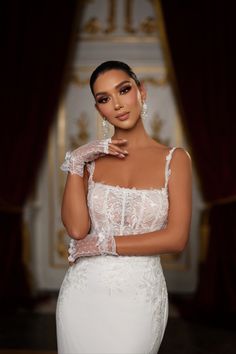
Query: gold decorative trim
{"x":82,"y":135}
{"x":56,"y":244}
{"x":147,"y":30}
{"x":75,"y":78}
{"x":160,"y":69}
{"x":156,"y":124}
{"x":155,"y":82}
{"x":111,"y":17}
{"x":60,"y":248}
{"x":149,"y":25}
{"x":178,"y":132}
{"x":51,"y":215}
{"x":165,"y":46}
{"x":61,"y":134}
{"x":128,"y":17}
{"x":92,"y":26}
{"x":120,"y":39}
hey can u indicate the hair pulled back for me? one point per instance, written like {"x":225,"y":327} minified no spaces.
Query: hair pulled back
{"x":112,"y":65}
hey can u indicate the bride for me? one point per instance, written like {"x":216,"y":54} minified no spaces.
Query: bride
{"x":127,"y":200}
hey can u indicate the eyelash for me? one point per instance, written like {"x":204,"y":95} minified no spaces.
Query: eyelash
{"x":123,"y":91}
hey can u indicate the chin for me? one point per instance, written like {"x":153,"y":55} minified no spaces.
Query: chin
{"x":127,"y":124}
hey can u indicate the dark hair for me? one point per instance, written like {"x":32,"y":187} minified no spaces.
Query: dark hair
{"x":112,"y":65}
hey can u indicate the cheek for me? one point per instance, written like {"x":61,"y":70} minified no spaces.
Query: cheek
{"x":105,"y":110}
{"x":134,"y":102}
{"x":132,"y":98}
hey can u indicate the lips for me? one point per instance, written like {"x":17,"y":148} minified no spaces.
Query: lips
{"x":123,"y":116}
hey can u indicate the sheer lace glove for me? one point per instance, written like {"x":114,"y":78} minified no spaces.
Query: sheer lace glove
{"x":92,"y":245}
{"x":76,"y":159}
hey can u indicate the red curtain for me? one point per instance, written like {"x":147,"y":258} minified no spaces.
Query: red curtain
{"x":201,"y":37}
{"x":38,"y":38}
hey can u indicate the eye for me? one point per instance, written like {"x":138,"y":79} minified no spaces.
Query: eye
{"x":125,"y":89}
{"x":103,"y":99}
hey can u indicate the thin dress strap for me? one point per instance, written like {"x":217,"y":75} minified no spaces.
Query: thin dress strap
{"x":167,"y":167}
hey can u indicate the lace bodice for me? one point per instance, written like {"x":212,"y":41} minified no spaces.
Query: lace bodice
{"x":124,"y":211}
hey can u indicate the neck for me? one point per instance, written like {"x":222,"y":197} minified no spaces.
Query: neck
{"x":136,"y":136}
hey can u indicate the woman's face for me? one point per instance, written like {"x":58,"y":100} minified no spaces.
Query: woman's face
{"x":118,"y":98}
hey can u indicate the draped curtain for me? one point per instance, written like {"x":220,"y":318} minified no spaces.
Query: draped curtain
{"x":37,"y":43}
{"x":201,"y":38}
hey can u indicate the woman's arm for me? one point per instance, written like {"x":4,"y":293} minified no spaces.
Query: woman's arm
{"x":174,"y":237}
{"x":74,"y":210}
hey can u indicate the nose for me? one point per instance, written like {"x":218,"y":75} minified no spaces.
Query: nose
{"x":117,"y":104}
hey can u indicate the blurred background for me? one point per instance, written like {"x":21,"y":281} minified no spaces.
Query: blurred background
{"x":184,"y":52}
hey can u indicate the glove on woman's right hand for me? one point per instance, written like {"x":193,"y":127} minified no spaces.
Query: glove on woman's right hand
{"x":75,"y":160}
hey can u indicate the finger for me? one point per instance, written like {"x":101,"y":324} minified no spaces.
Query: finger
{"x":117,"y":154}
{"x":118,"y":141}
{"x":117,"y":149}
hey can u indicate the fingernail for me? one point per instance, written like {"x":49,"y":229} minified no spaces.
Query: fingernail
{"x":121,"y":155}
{"x":125,"y":151}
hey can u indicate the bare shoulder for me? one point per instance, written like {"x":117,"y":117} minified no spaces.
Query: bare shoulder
{"x":181,"y":157}
{"x":179,"y":153}
{"x":158,"y":148}
{"x":181,"y":166}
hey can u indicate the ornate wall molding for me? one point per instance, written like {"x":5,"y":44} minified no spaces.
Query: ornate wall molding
{"x":118,"y":21}
{"x":81,"y":76}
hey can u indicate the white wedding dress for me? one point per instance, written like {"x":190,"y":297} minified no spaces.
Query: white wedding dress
{"x":116,"y":304}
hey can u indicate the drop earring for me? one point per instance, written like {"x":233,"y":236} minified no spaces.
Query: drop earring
{"x":105,"y":128}
{"x":144,"y":111}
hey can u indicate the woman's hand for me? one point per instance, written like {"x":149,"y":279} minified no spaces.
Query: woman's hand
{"x":75,"y":160}
{"x":92,"y":245}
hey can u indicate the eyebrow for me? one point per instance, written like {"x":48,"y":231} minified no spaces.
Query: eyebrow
{"x":117,"y":86}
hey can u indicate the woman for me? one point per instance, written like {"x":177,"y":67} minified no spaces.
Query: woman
{"x":126,"y":201}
